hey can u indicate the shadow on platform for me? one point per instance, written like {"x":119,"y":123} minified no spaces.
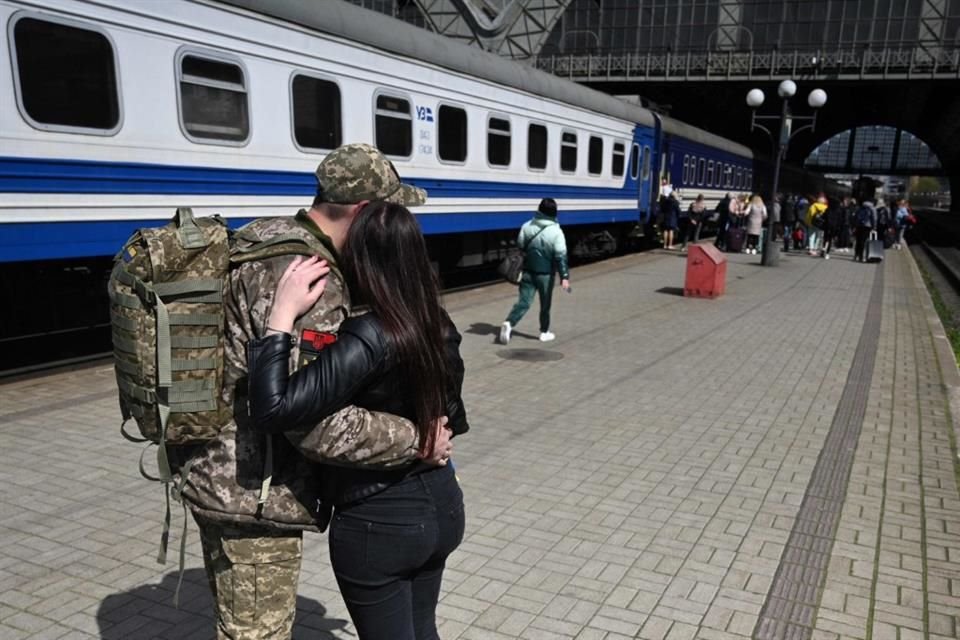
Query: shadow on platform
{"x":673,"y":291}
{"x":487,"y":329}
{"x":530,"y":355}
{"x":148,"y":612}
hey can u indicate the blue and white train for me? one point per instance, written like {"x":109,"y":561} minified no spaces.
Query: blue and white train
{"x":114,"y":112}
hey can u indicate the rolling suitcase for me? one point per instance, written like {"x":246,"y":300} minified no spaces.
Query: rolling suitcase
{"x":736,"y":236}
{"x":874,"y":248}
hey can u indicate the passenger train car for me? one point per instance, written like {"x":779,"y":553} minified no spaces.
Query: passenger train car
{"x":113,"y":113}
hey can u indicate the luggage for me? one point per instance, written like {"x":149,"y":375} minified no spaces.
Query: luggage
{"x":874,"y":248}
{"x":889,"y":237}
{"x":166,"y":312}
{"x":736,"y":236}
{"x":799,"y":240}
{"x":511,"y":267}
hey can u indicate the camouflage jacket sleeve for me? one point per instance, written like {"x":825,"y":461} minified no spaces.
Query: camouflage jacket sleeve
{"x":352,"y":436}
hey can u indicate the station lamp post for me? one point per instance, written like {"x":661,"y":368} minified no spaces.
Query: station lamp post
{"x":787,"y":89}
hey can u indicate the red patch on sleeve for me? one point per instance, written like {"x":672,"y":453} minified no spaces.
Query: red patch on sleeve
{"x":316,"y":340}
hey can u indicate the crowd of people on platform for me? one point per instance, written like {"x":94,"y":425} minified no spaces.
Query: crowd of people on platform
{"x":817,"y":224}
{"x":821,"y":225}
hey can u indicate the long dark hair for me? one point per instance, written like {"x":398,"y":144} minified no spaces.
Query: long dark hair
{"x":386,"y":267}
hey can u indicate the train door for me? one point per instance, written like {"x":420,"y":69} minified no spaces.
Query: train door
{"x":641,"y":159}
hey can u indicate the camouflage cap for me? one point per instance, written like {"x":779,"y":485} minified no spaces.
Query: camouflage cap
{"x":356,"y":172}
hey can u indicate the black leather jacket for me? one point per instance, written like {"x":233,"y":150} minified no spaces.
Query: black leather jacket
{"x":360,"y":369}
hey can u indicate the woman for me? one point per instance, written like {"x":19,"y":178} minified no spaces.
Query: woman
{"x":835,"y":218}
{"x":695,"y":214}
{"x":670,"y":210}
{"x":814,"y":224}
{"x":392,"y":530}
{"x":756,"y":213}
{"x":902,"y":221}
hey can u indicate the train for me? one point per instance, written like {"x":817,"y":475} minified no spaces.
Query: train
{"x":114,"y":113}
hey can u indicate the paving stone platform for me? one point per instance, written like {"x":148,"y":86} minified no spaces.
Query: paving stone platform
{"x":775,"y":463}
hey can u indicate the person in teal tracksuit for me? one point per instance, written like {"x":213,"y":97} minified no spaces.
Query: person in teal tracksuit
{"x":545,"y":255}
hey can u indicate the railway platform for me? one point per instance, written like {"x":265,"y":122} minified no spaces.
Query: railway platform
{"x":774,"y":463}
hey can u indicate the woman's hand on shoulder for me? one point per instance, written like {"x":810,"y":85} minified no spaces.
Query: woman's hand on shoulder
{"x":300,"y":286}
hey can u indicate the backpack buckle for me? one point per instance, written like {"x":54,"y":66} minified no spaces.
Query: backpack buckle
{"x":145,"y":292}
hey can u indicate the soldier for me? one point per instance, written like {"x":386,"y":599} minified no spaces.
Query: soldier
{"x":252,"y":545}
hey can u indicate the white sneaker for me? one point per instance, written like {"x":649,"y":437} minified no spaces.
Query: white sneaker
{"x":505,"y":329}
{"x":826,"y":256}
{"x":546,"y":336}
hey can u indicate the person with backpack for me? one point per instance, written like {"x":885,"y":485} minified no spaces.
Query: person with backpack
{"x":866,"y":223}
{"x":253,"y":561}
{"x":815,"y":223}
{"x":391,"y":531}
{"x":545,"y":254}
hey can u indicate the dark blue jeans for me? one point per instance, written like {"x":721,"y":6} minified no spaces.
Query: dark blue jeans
{"x":388,"y":552}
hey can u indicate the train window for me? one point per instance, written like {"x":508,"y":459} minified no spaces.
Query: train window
{"x":568,"y":151}
{"x":739,"y":182}
{"x":66,"y":77}
{"x":394,"y":126}
{"x":316,"y":112}
{"x":537,"y":146}
{"x":645,"y":173}
{"x":727,"y":176}
{"x":686,"y":169}
{"x":750,"y":180}
{"x":635,"y":161}
{"x":595,"y":156}
{"x":710,"y":176}
{"x":701,"y":171}
{"x":498,"y":142}
{"x":213,"y":100}
{"x":452,"y":133}
{"x":616,"y":161}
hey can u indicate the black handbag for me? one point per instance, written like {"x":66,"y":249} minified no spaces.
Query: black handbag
{"x":511,"y":267}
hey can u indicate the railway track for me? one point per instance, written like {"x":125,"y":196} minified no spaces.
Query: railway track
{"x":936,"y":248}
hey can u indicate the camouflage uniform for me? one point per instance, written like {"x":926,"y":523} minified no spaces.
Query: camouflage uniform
{"x":252,"y":539}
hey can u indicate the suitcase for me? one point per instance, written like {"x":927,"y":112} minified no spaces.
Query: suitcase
{"x":736,"y":236}
{"x":889,"y":237}
{"x":799,"y":239}
{"x":874,"y":248}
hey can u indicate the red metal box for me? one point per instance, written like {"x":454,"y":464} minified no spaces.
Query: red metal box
{"x":706,"y":272}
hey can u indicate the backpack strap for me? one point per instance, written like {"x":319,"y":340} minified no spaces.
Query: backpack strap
{"x":191,"y":236}
{"x":283,"y":244}
{"x":527,"y":244}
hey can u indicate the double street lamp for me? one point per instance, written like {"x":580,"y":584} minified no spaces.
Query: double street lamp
{"x":787,"y":89}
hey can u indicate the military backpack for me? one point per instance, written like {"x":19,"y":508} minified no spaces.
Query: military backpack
{"x":166,"y":313}
{"x":166,"y":292}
